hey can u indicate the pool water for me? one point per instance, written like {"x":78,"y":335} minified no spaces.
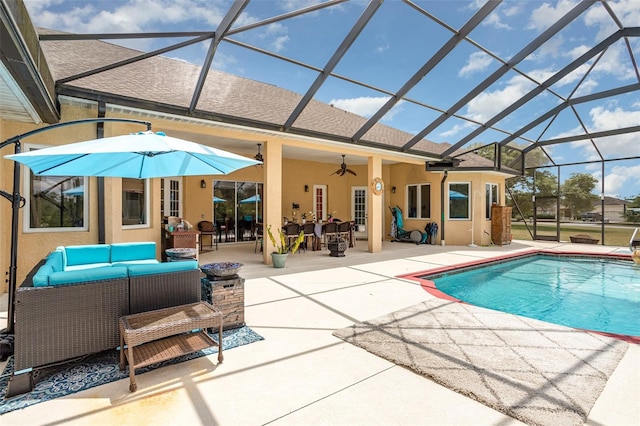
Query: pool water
{"x":589,"y":293}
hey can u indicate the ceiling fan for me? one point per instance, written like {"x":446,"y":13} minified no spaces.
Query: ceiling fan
{"x":258,"y":156}
{"x":343,"y":169}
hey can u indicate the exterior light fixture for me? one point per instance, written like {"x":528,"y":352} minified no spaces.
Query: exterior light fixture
{"x":203,"y":184}
{"x":393,"y":189}
{"x":306,"y":188}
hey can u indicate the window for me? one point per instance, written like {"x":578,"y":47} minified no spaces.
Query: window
{"x":320,"y":201}
{"x":55,"y":203}
{"x":171,"y":196}
{"x":491,"y":197}
{"x":419,"y":201}
{"x":459,"y":200}
{"x":135,"y":202}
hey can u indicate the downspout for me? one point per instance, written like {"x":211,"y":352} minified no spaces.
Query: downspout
{"x":102,"y":109}
{"x":444,"y":178}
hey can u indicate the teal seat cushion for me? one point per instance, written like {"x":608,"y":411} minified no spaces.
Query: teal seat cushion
{"x":41,"y":278}
{"x":121,"y":252}
{"x":93,"y":253}
{"x":56,"y":260}
{"x":87,"y":266}
{"x":85,"y":275}
{"x":161,"y":268}
{"x":54,"y":263}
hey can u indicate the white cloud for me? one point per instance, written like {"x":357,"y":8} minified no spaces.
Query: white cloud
{"x":456,"y":129}
{"x":627,"y":11}
{"x":494,"y":20}
{"x":620,"y":180}
{"x":488,"y":104}
{"x":587,"y":86}
{"x":128,"y":16}
{"x":618,"y":146}
{"x":364,"y":106}
{"x":477,"y":61}
{"x":552,"y":48}
{"x":615,"y":62}
{"x":382,"y":48}
{"x":546,"y":15}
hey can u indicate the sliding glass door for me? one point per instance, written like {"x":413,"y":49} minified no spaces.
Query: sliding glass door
{"x":237,"y":208}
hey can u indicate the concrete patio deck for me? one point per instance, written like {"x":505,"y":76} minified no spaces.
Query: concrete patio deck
{"x":301,"y":373}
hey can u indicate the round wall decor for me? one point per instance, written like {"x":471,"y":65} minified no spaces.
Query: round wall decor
{"x":377,"y":186}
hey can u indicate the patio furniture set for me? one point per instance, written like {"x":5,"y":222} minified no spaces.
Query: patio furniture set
{"x":72,"y":302}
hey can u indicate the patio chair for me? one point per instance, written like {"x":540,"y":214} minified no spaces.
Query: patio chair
{"x":330,"y":232}
{"x":207,"y":228}
{"x":309,"y":232}
{"x":259,"y":236}
{"x":344,"y":232}
{"x":230,"y":230}
{"x":291,"y":231}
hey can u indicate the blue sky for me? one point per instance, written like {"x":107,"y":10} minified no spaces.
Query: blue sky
{"x":395,"y":45}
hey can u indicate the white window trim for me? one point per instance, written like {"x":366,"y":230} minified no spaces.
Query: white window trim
{"x":468,"y":218}
{"x":147,"y":210}
{"x":166,"y":202}
{"x":491,"y":201}
{"x":323,"y":188}
{"x":26,"y":193}
{"x":419,"y":200}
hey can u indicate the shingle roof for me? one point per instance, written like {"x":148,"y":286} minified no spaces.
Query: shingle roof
{"x":165,"y":81}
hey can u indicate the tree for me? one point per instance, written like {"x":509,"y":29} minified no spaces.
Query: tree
{"x":522,"y":189}
{"x":577,"y":193}
{"x":521,"y":186}
{"x":634,"y":202}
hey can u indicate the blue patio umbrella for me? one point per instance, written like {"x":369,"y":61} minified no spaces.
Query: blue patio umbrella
{"x":457,"y":195}
{"x":74,"y":192}
{"x":218,"y":199}
{"x":252,"y":199}
{"x":139,"y":155}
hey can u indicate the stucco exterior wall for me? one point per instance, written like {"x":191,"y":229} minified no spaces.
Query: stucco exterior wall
{"x":198,"y":202}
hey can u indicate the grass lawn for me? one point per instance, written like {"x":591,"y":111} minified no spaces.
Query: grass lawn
{"x":614,"y":235}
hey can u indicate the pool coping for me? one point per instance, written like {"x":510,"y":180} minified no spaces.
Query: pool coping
{"x":430,"y":287}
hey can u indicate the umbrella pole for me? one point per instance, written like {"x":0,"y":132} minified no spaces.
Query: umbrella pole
{"x":6,"y":335}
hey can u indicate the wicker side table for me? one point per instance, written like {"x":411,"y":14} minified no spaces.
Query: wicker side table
{"x":159,"y":335}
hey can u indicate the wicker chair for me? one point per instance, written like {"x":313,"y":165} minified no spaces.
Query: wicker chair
{"x":291,"y":232}
{"x":207,"y":228}
{"x":309,"y":232}
{"x":330,"y":232}
{"x":259,"y":236}
{"x":344,"y":232}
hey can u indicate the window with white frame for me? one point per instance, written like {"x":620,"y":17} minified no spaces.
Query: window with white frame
{"x":491,"y":197}
{"x":55,"y":203}
{"x":459,"y":205}
{"x":171,"y":196}
{"x":135,"y":202}
{"x":419,"y":201}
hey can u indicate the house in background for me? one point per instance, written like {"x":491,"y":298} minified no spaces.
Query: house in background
{"x":614,"y":209}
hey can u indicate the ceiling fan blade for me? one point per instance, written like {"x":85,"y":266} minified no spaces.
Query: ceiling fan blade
{"x":337,"y":171}
{"x":352,"y":172}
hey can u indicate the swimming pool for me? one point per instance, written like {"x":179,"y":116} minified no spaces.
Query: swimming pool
{"x":591,"y":293}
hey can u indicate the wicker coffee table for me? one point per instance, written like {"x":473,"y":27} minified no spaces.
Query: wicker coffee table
{"x":163,"y":334}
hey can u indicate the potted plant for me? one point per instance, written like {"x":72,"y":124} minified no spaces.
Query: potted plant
{"x":282,"y":249}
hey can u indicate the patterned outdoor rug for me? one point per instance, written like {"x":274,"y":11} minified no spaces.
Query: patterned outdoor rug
{"x":536,"y":372}
{"x":98,"y":369}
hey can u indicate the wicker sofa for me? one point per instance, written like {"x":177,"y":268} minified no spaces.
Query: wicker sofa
{"x":70,"y":304}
